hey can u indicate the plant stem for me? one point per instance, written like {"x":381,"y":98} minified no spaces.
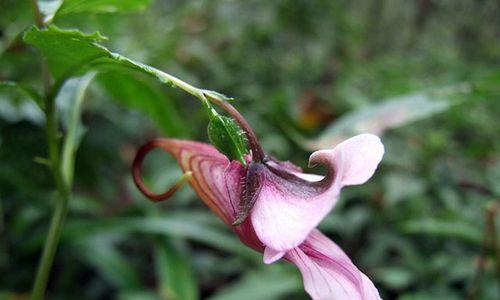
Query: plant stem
{"x":489,"y":242}
{"x":61,"y":208}
{"x":49,"y":249}
{"x":257,"y":152}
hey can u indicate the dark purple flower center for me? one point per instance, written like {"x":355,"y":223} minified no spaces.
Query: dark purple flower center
{"x":279,"y":177}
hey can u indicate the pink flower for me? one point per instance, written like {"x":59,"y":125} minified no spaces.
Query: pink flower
{"x":274,"y":207}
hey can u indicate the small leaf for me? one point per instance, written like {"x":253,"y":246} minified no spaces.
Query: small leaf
{"x":102,"y":6}
{"x":226,"y":135}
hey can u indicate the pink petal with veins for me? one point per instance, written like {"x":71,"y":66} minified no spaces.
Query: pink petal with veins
{"x":327,"y":271}
{"x":216,"y":180}
{"x":290,"y":206}
{"x":210,"y":170}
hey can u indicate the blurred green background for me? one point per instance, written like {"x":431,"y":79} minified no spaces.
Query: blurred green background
{"x":425,"y":74}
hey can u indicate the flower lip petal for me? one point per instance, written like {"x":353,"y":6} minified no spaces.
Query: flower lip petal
{"x":289,"y":206}
{"x":327,"y":271}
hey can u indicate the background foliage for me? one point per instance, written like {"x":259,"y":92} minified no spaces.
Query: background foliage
{"x":306,"y":74}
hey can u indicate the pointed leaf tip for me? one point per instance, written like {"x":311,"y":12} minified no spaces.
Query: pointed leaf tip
{"x":217,"y":95}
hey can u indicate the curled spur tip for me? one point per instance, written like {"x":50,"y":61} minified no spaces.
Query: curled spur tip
{"x":136,"y":174}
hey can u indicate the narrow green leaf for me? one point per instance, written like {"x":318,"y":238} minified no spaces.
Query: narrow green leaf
{"x":136,"y":93}
{"x":275,"y":282}
{"x":172,"y":225}
{"x":102,"y":6}
{"x":445,"y":228}
{"x":102,"y":254}
{"x":19,"y":102}
{"x":74,"y":128}
{"x":142,"y":294}
{"x":175,"y":277}
{"x":391,"y":113}
{"x":26,"y":90}
{"x":397,"y":278}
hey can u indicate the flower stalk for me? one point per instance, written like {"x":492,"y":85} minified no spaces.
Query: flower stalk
{"x":61,"y":208}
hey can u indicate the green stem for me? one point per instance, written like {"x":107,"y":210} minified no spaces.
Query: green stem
{"x":49,"y":249}
{"x":61,"y":209}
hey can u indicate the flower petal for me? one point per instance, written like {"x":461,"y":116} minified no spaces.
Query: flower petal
{"x":291,"y":204}
{"x":210,"y":172}
{"x":327,"y":271}
{"x":271,"y":255}
{"x":284,"y":213}
{"x":354,"y":160}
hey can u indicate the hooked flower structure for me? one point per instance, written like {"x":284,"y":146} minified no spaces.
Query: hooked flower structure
{"x":274,"y":207}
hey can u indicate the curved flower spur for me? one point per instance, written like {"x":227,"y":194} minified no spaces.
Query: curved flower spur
{"x":273,"y":206}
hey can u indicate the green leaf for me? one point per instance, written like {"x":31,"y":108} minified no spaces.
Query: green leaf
{"x":445,"y":228}
{"x":136,"y":93}
{"x":172,"y":225}
{"x":74,"y":128}
{"x":175,"y":277}
{"x":24,"y":89}
{"x":102,"y":6}
{"x":102,"y":254}
{"x":274,"y":282}
{"x":397,"y":278}
{"x":13,"y":108}
{"x":226,"y":135}
{"x":71,"y":52}
{"x":66,"y":51}
{"x":144,"y":294}
{"x":391,"y":113}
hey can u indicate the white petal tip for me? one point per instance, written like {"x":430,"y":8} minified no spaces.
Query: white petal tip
{"x":271,"y":255}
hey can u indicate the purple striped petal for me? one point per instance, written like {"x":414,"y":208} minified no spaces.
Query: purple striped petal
{"x":327,"y":271}
{"x":210,"y":169}
{"x":216,"y":180}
